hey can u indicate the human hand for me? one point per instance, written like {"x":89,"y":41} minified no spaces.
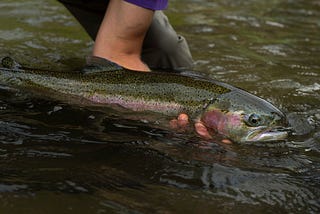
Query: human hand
{"x":182,"y":123}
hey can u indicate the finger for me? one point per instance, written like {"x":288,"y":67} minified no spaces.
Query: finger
{"x":183,"y":120}
{"x":226,"y":141}
{"x":202,"y":130}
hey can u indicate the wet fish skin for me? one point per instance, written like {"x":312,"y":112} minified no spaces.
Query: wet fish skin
{"x":222,"y":108}
{"x":156,"y":91}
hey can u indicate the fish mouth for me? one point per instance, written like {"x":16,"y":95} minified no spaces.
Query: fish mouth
{"x":264,"y":134}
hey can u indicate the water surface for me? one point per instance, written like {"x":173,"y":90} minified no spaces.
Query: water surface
{"x":63,"y":158}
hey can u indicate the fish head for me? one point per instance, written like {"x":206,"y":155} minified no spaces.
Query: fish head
{"x":244,"y":117}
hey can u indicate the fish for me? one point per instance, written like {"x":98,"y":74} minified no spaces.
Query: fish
{"x":223,"y":109}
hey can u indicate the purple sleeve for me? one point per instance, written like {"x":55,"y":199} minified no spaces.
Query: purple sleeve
{"x":150,"y":4}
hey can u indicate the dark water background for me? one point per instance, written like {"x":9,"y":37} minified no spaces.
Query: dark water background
{"x":60,"y":158}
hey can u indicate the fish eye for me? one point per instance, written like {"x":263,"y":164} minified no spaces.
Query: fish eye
{"x":253,"y":120}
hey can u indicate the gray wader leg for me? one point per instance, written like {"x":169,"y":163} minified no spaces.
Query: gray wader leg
{"x":162,"y":48}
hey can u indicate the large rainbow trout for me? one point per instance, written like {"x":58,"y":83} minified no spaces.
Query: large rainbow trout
{"x":222,"y":108}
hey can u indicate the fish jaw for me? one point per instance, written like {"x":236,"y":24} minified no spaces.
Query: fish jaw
{"x":263,"y":134}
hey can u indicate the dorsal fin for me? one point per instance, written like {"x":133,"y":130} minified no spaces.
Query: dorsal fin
{"x":98,"y":64}
{"x":8,"y":62}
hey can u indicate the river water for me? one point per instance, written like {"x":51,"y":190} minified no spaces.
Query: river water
{"x":62,"y":158}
